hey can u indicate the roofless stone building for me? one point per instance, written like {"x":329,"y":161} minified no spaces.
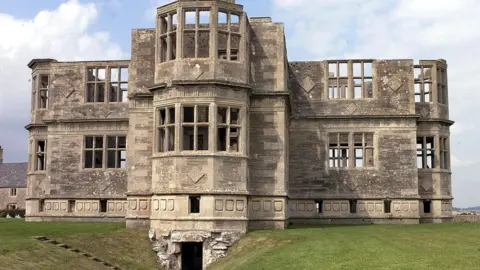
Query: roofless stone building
{"x":209,"y":131}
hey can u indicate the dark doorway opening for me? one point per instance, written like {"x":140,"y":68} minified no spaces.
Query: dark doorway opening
{"x":192,"y":256}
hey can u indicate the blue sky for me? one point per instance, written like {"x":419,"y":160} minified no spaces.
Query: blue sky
{"x":315,"y":30}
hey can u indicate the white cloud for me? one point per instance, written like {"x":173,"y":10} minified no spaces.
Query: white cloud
{"x":151,"y":12}
{"x":62,"y":34}
{"x":418,"y":29}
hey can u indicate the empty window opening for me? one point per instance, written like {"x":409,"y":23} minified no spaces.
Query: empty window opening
{"x":194,"y":202}
{"x":338,"y":150}
{"x":43,"y":91}
{"x":192,"y":255}
{"x":11,"y":206}
{"x":13,"y":192}
{"x":427,"y":206}
{"x":196,"y":34}
{"x":71,"y":206}
{"x":360,"y":76}
{"x":444,"y":153}
{"x":166,"y":129}
{"x":93,"y":152}
{"x":425,"y":152}
{"x":319,"y":206}
{"x":353,"y":206}
{"x":387,"y":206}
{"x":41,"y":205}
{"x":103,"y":206}
{"x":229,"y":36}
{"x":41,"y":153}
{"x":228,"y":129}
{"x":118,"y":89}
{"x":195,"y":127}
{"x":442,"y":86}
{"x":423,"y":83}
{"x":116,"y":152}
{"x":167,"y":43}
{"x":363,"y":150}
{"x":95,"y":85}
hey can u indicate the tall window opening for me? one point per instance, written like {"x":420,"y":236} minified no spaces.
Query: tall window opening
{"x":426,"y":152}
{"x":229,"y":36}
{"x":93,"y":152}
{"x":444,"y":153}
{"x":196,"y":33}
{"x":442,"y":86}
{"x":41,"y":155}
{"x":96,"y":80}
{"x":71,"y":206}
{"x":387,"y":206}
{"x":423,"y":83}
{"x":338,"y":150}
{"x":116,"y":151}
{"x":353,"y":206}
{"x":166,"y":129}
{"x":43,"y":91}
{"x":13,"y":192}
{"x":195,"y":127}
{"x":118,"y":89}
{"x":319,"y":206}
{"x":228,"y":129}
{"x":103,"y":206}
{"x":427,"y":206}
{"x":363,"y":149}
{"x":167,"y":43}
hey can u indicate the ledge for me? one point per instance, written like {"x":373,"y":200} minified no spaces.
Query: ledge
{"x":87,"y":120}
{"x":29,"y":126}
{"x":360,"y":116}
{"x":198,"y":82}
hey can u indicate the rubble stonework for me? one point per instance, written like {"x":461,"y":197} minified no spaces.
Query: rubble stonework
{"x":210,"y":128}
{"x":215,"y":246}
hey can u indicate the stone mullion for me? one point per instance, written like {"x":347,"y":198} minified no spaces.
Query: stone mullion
{"x":197,"y":22}
{"x":178,"y":127}
{"x":180,"y":32}
{"x":434,"y":87}
{"x":195,"y":126}
{"x":350,"y":90}
{"x":169,"y":37}
{"x":227,"y":131}
{"x":229,"y":36}
{"x":213,"y":28}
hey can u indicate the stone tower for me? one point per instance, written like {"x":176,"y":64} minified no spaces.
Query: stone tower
{"x":199,"y":113}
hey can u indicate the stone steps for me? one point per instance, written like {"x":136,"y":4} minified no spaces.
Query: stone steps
{"x":76,"y":250}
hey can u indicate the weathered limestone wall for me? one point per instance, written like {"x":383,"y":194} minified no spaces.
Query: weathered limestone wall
{"x":18,"y":199}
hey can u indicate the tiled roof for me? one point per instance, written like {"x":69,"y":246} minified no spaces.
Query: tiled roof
{"x":13,"y":175}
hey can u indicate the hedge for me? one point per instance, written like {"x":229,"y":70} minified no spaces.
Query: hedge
{"x":12,"y":213}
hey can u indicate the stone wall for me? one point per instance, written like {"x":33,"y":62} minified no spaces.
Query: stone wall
{"x":18,"y":199}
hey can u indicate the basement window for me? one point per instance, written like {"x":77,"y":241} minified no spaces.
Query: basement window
{"x":103,"y":206}
{"x":71,"y":206}
{"x":426,"y":152}
{"x":319,"y":206}
{"x":387,"y":206}
{"x":353,"y":206}
{"x":194,"y":202}
{"x":41,"y":151}
{"x":41,"y":205}
{"x":427,"y":206}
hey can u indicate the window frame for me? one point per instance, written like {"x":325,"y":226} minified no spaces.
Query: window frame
{"x":195,"y":124}
{"x":39,"y":153}
{"x":104,"y":150}
{"x":119,"y":82}
{"x":228,"y":125}
{"x":106,"y":82}
{"x":163,"y":141}
{"x":13,"y":192}
{"x":421,"y":91}
{"x":39,"y":90}
{"x":424,"y":150}
{"x":347,"y":150}
{"x":343,"y":86}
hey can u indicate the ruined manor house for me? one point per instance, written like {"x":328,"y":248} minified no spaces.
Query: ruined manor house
{"x":209,"y":130}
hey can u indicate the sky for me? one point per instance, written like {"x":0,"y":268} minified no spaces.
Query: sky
{"x":315,"y":30}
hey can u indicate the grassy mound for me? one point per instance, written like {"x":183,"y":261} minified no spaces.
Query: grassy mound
{"x":426,"y":246}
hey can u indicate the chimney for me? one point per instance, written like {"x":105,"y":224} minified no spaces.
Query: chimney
{"x":1,"y":154}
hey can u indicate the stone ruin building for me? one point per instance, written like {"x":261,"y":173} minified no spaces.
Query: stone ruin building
{"x":209,"y":131}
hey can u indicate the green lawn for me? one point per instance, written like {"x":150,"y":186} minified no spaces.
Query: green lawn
{"x":426,"y":246}
{"x":111,"y":242}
